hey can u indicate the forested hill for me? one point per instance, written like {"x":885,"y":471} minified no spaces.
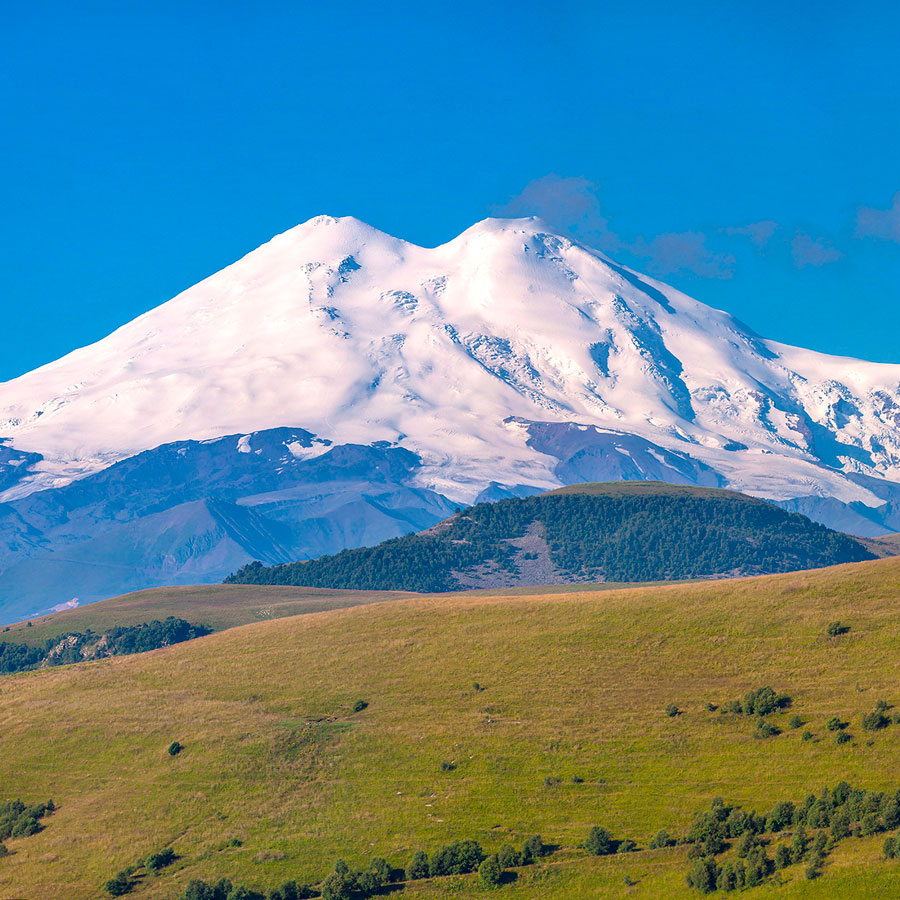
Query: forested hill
{"x":616,"y":531}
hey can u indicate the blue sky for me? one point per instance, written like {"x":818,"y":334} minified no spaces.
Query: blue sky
{"x":745,"y":152}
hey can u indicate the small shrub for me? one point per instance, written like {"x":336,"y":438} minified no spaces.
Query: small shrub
{"x":509,"y":857}
{"x":836,"y":629}
{"x":807,"y":735}
{"x":120,"y":885}
{"x":490,"y":873}
{"x":159,"y":860}
{"x":782,"y":857}
{"x":710,"y":706}
{"x":360,"y":705}
{"x":814,"y":869}
{"x":661,"y":839}
{"x":478,"y":688}
{"x":534,"y":848}
{"x":175,"y":748}
{"x":842,"y":738}
{"x":765,"y":729}
{"x":626,"y":846}
{"x":835,"y":724}
{"x":795,"y":722}
{"x":4,"y":850}
{"x":704,"y":875}
{"x":891,"y":847}
{"x":577,"y":779}
{"x":418,"y":866}
{"x":875,"y":720}
{"x":672,"y":710}
{"x":447,"y":766}
{"x":599,"y":842}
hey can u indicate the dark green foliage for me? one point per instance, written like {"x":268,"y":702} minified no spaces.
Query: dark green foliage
{"x":760,"y":702}
{"x":120,"y":885}
{"x":599,"y":842}
{"x":626,"y":846}
{"x":875,"y":720}
{"x":842,"y":738}
{"x":807,"y":735}
{"x":672,"y":710}
{"x":490,"y":872}
{"x":291,"y":890}
{"x":459,"y":858}
{"x":18,"y":820}
{"x":119,"y":641}
{"x":795,"y":722}
{"x":704,"y":874}
{"x":509,"y":857}
{"x":622,"y":537}
{"x":159,"y":860}
{"x":340,"y":884}
{"x":765,"y":729}
{"x":360,"y":705}
{"x":533,"y":848}
{"x":835,"y":629}
{"x":661,"y":839}
{"x":782,"y":816}
{"x":799,"y":844}
{"x":835,"y":724}
{"x":175,"y":748}
{"x":891,"y":847}
{"x":418,"y":866}
{"x":783,"y":857}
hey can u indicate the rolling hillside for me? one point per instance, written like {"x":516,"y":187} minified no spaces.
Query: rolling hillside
{"x":617,"y":531}
{"x":488,"y":718}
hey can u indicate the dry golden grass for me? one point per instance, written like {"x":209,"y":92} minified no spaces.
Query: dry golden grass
{"x":575,"y":684}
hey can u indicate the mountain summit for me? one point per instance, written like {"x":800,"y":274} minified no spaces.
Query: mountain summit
{"x":508,"y":361}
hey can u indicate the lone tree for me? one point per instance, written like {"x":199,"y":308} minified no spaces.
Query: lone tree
{"x":599,"y":842}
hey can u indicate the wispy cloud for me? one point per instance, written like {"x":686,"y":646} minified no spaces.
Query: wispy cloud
{"x":684,"y":251}
{"x":571,"y":204}
{"x":880,"y":223}
{"x":760,"y":233}
{"x":810,"y":251}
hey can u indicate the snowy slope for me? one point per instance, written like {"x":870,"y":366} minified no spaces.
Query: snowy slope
{"x":453,"y":353}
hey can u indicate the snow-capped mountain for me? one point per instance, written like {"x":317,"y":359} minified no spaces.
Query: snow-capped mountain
{"x":508,"y":360}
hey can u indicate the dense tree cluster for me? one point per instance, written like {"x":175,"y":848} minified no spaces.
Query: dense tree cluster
{"x":619,"y":537}
{"x":833,"y":815}
{"x":78,"y":646}
{"x":18,"y":820}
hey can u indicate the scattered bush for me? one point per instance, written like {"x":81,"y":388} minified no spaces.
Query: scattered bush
{"x":599,"y":842}
{"x":120,"y":885}
{"x":661,"y":839}
{"x":782,"y":857}
{"x":835,"y":724}
{"x":835,"y":629}
{"x":509,"y":857}
{"x":447,"y":766}
{"x":460,"y":858}
{"x":704,"y":875}
{"x":626,"y":846}
{"x":418,"y":866}
{"x":891,"y":848}
{"x":795,"y":722}
{"x":806,"y":736}
{"x":842,"y":738}
{"x":875,"y":720}
{"x":360,"y":705}
{"x":533,"y":848}
{"x":159,"y":860}
{"x":672,"y":710}
{"x":490,"y":873}
{"x":175,"y":748}
{"x":765,"y":729}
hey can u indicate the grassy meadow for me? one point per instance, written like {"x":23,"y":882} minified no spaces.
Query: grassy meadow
{"x":567,"y":730}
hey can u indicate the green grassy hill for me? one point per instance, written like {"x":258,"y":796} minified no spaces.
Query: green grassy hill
{"x":617,"y":531}
{"x":218,"y":606}
{"x":279,"y":776}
